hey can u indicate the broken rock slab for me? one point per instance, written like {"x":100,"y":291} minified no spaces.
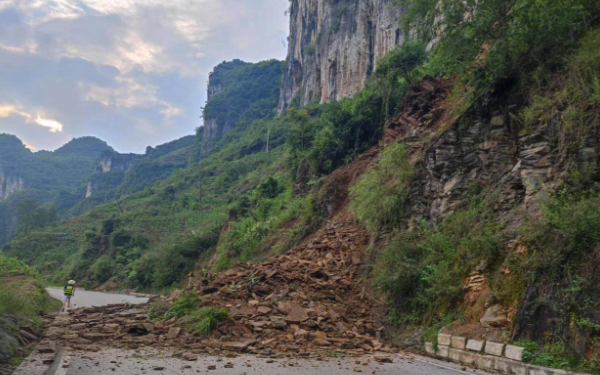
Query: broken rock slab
{"x":47,"y":347}
{"x":495,"y":317}
{"x":238,"y":346}
{"x":189,"y":356}
{"x":296,"y":315}
{"x":173,"y":333}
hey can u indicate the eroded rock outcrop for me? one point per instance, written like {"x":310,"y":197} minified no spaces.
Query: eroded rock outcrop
{"x":482,"y":148}
{"x":9,"y":185}
{"x":113,"y":161}
{"x":334,"y":47}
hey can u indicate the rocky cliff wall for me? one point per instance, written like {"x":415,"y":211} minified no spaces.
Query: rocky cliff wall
{"x":485,"y":152}
{"x":213,"y":130}
{"x":10,"y":185}
{"x":117,"y":162}
{"x":482,"y":148}
{"x":335,"y":45}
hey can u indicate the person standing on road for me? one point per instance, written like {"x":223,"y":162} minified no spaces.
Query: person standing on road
{"x":69,"y":291}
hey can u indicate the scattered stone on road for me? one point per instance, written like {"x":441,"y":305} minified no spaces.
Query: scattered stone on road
{"x":307,"y":301}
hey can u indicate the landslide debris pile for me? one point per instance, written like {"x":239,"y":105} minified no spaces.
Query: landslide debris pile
{"x":309,"y":300}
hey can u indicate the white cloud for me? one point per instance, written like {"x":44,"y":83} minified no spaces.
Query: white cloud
{"x":130,"y":94}
{"x":170,"y":111}
{"x":129,"y":71}
{"x":55,"y":9}
{"x":4,"y":4}
{"x":53,"y":125}
{"x":7,"y":110}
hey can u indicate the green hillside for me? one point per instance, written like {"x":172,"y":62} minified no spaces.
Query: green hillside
{"x":44,"y":178}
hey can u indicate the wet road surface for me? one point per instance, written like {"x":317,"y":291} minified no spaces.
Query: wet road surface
{"x":84,"y":298}
{"x":153,"y":361}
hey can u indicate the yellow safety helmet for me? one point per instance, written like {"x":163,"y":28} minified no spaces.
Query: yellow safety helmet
{"x":71,"y":282}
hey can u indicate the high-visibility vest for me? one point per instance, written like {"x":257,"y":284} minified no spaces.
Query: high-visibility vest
{"x":69,"y":290}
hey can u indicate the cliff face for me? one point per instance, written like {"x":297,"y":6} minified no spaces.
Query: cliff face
{"x":9,"y":185}
{"x":213,"y":129}
{"x":117,"y":162}
{"x":335,"y":45}
{"x":239,"y":93}
{"x":116,"y":166}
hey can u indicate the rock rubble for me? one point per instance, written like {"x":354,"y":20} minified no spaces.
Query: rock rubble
{"x":310,"y":300}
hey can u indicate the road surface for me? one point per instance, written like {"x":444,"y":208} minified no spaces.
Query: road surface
{"x":84,"y":298}
{"x":152,"y":361}
{"x":109,"y":361}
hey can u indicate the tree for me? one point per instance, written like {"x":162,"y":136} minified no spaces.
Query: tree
{"x":402,"y":62}
{"x":30,"y":216}
{"x":25,"y":211}
{"x":494,"y":41}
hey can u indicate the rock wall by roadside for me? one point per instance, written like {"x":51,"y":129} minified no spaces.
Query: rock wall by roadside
{"x":485,"y":151}
{"x":482,"y":148}
{"x":334,"y":47}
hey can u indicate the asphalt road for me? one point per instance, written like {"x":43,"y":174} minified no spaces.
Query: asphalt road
{"x":152,"y":361}
{"x":84,"y":298}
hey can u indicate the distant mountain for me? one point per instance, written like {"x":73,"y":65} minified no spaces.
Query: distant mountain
{"x":78,"y":176}
{"x":118,"y":174}
{"x":85,"y":146}
{"x":143,"y":220}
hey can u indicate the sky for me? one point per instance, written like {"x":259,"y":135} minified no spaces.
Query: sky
{"x":131,"y":72}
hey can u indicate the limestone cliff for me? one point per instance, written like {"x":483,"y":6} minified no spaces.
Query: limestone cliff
{"x":335,"y":45}
{"x":9,"y":185}
{"x":212,"y":129}
{"x":111,"y":161}
{"x":239,"y":93}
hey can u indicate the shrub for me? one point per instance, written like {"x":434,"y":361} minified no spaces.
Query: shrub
{"x":102,"y":270}
{"x":492,"y":44}
{"x":550,"y":355}
{"x":157,"y":309}
{"x":422,"y":272}
{"x":402,"y":62}
{"x":378,"y":197}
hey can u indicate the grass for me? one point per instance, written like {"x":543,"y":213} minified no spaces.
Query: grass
{"x":23,"y":294}
{"x":378,"y":197}
{"x":421,"y":272}
{"x":205,"y":320}
{"x":23,"y":301}
{"x":549,"y":355}
{"x":184,"y":305}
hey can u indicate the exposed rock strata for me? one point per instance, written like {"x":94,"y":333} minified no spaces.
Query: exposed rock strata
{"x":482,"y":148}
